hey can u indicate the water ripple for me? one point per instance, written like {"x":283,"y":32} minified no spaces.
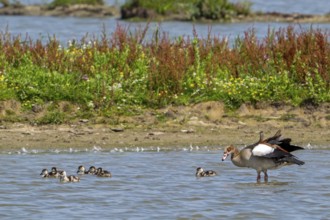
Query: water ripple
{"x":161,"y":184}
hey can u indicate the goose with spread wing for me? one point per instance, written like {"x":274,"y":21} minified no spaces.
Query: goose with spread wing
{"x":269,"y":153}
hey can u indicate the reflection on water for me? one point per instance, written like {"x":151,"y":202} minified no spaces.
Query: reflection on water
{"x":162,"y":184}
{"x":264,"y":184}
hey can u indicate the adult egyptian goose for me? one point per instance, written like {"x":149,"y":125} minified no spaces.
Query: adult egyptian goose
{"x":270,"y":153}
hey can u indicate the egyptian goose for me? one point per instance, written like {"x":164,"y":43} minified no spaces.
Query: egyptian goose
{"x":201,"y":173}
{"x":270,"y":153}
{"x":55,"y":172}
{"x":44,"y":173}
{"x":92,"y":170}
{"x":64,"y":178}
{"x":102,"y":173}
{"x":82,"y":170}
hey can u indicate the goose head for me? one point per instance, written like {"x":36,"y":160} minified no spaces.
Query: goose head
{"x":227,"y":151}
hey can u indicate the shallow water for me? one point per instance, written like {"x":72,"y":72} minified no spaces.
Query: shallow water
{"x":161,"y":184}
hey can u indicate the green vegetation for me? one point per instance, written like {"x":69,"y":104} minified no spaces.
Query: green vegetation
{"x":124,"y":73}
{"x":191,"y":10}
{"x":5,"y":3}
{"x":56,"y":3}
{"x":220,"y":9}
{"x":10,"y":3}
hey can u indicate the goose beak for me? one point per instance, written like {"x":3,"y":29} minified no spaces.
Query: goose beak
{"x":225,"y":155}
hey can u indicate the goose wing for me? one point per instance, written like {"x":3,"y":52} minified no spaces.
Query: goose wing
{"x":283,"y":143}
{"x":261,"y":138}
{"x":269,"y":151}
{"x":275,"y":152}
{"x":286,"y":144}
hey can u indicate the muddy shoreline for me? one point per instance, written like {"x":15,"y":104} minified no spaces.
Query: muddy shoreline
{"x":81,"y":136}
{"x":20,"y":136}
{"x":203,"y":124}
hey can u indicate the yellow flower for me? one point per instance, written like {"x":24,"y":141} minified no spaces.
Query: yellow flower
{"x":92,"y":68}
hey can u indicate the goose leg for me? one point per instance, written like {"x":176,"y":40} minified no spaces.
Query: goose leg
{"x":258,"y":176}
{"x":265,"y":176}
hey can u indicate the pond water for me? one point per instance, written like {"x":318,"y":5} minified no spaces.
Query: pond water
{"x":69,"y":28}
{"x":149,"y":184}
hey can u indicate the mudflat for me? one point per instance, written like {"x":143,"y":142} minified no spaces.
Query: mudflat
{"x":204,"y":124}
